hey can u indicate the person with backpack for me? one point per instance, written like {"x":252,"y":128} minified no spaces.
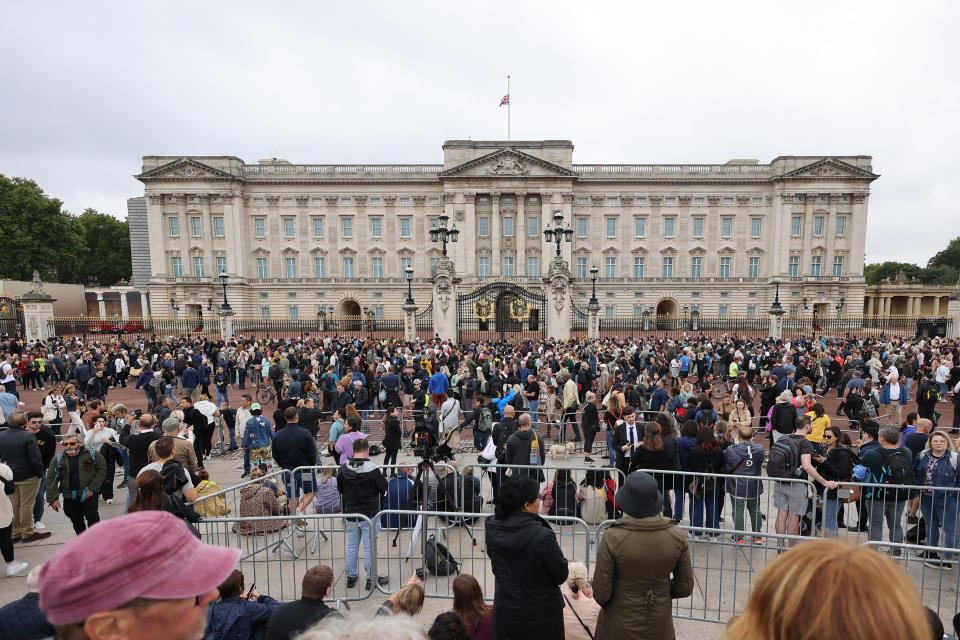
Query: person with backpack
{"x":706,"y":416}
{"x":525,"y":447}
{"x":836,"y":464}
{"x":744,"y":458}
{"x":707,"y":458}
{"x":481,"y":419}
{"x":595,"y":505}
{"x":936,"y":467}
{"x":77,"y":473}
{"x":560,"y":497}
{"x":927,"y":397}
{"x":889,"y":464}
{"x":790,"y":458}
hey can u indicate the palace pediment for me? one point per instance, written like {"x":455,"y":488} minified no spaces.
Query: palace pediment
{"x":829,"y":168}
{"x":185,"y":169}
{"x":508,"y":163}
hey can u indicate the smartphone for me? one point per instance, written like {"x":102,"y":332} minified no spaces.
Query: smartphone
{"x":252,"y":587}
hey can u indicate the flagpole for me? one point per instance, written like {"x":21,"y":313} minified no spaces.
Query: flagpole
{"x":508,"y":107}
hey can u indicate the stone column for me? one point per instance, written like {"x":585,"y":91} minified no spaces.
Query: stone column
{"x":593,"y":320}
{"x":445,"y":282}
{"x":953,"y":314}
{"x":496,"y":236}
{"x":101,"y":305}
{"x":557,"y":287}
{"x":520,"y":233}
{"x":871,"y":306}
{"x":144,"y":307}
{"x":226,"y":324}
{"x":936,"y":305}
{"x":38,"y":312}
{"x":124,"y":309}
{"x":776,"y":322}
{"x":409,"y":322}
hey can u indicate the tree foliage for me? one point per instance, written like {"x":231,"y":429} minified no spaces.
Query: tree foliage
{"x":942,"y":268}
{"x":39,"y":235}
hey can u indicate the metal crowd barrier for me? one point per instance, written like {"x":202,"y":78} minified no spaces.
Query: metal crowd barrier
{"x":277,"y":551}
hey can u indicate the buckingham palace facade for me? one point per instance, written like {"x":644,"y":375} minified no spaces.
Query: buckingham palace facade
{"x":297,"y":239}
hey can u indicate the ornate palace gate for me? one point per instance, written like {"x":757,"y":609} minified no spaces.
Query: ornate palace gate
{"x":501,"y":310}
{"x":11,"y":316}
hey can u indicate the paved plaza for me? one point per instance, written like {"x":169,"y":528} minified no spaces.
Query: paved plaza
{"x":724,"y":572}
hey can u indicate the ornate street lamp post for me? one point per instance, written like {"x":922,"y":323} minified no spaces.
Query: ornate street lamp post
{"x":408,"y":272}
{"x":559,"y":232}
{"x":441,"y":233}
{"x":593,"y":277}
{"x":225,"y":307}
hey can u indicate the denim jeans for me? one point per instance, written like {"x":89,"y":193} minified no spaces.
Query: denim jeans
{"x":678,"y":495}
{"x":232,"y":446}
{"x":246,"y":461}
{"x":943,"y":389}
{"x":355,"y":531}
{"x":480,"y":440}
{"x":939,"y":510}
{"x":713,"y":514}
{"x":613,"y":455}
{"x":125,"y":456}
{"x":891,"y":511}
{"x":222,"y":396}
{"x":830,"y":508}
{"x":909,"y":382}
{"x":533,"y":411}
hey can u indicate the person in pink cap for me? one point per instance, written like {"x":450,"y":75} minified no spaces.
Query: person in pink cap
{"x":121,"y":580}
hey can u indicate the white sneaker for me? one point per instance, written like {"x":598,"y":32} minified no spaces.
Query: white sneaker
{"x":16,"y":568}
{"x":39,"y":525}
{"x":109,"y":501}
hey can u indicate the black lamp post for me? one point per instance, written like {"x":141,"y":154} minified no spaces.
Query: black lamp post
{"x":593,"y":277}
{"x":558,"y":232}
{"x":441,"y":233}
{"x":408,"y":272}
{"x":776,"y":306}
{"x":225,"y":307}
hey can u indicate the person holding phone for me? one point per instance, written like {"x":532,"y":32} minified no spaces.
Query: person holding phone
{"x":239,"y":614}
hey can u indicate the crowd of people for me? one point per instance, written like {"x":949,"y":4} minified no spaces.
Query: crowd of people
{"x":668,"y":410}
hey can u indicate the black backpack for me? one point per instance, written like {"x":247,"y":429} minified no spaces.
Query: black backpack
{"x":931,"y":395}
{"x":783,"y":460}
{"x":707,"y":419}
{"x":438,"y":559}
{"x":894,"y":470}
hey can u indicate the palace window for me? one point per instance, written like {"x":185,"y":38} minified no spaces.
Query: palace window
{"x":841,"y":225}
{"x":218,"y":226}
{"x":696,"y":264}
{"x":638,"y":267}
{"x":533,"y":267}
{"x":288,"y":228}
{"x":261,"y":267}
{"x":320,"y":267}
{"x":195,"y":227}
{"x":668,"y":224}
{"x":348,"y":268}
{"x":725,"y":267}
{"x":404,"y":227}
{"x":726,"y":227}
{"x":318,"y":227}
{"x":698,"y":227}
{"x":610,"y":267}
{"x":174,"y":226}
{"x":377,"y":267}
{"x":668,"y":267}
{"x":838,"y":266}
{"x":793,"y":266}
{"x":755,"y":227}
{"x":581,"y":268}
{"x":754,"y":267}
{"x":291,"y":267}
{"x":176,"y":267}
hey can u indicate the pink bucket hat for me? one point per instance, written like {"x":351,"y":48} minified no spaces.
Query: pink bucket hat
{"x":149,"y":554}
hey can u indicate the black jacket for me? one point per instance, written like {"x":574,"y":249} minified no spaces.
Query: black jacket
{"x":19,"y":449}
{"x":528,"y":566}
{"x":517,"y":451}
{"x":291,"y":618}
{"x":23,"y":619}
{"x":361,"y":485}
{"x":138,"y":446}
{"x":96,"y":387}
{"x":393,"y":435}
{"x":294,"y":447}
{"x":784,"y":418}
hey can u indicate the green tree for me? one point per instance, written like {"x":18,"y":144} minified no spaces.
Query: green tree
{"x":105,"y":243}
{"x":874,"y":273}
{"x":947,"y":261}
{"x":37,"y":234}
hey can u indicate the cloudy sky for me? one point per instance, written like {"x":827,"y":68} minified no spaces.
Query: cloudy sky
{"x":89,"y":88}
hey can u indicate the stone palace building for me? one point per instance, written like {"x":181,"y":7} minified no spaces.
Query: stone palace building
{"x":297,"y":239}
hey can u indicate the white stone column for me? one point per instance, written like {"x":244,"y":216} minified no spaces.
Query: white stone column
{"x":557,"y":289}
{"x":37,"y":312}
{"x":936,"y":305}
{"x":409,"y":322}
{"x":445,"y":300}
{"x":124,"y":309}
{"x":101,"y":305}
{"x":953,"y":315}
{"x":520,"y":233}
{"x":496,"y":236}
{"x":593,"y":321}
{"x":226,"y":325}
{"x":144,"y":306}
{"x":776,"y":322}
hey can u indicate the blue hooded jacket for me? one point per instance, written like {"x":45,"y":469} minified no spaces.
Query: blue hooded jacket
{"x":239,"y":619}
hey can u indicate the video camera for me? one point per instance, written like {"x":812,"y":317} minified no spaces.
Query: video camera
{"x":423,"y":440}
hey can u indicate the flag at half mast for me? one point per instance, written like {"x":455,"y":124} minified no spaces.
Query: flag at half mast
{"x":505,"y":100}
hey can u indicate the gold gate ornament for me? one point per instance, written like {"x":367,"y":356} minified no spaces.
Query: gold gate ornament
{"x":519,"y":310}
{"x":483,"y":309}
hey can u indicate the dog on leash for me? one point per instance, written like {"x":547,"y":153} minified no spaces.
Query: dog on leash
{"x":561,"y":451}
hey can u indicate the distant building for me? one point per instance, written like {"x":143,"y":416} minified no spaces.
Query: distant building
{"x":296,"y":239}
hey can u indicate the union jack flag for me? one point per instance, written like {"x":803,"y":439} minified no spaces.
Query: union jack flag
{"x":505,"y":100}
